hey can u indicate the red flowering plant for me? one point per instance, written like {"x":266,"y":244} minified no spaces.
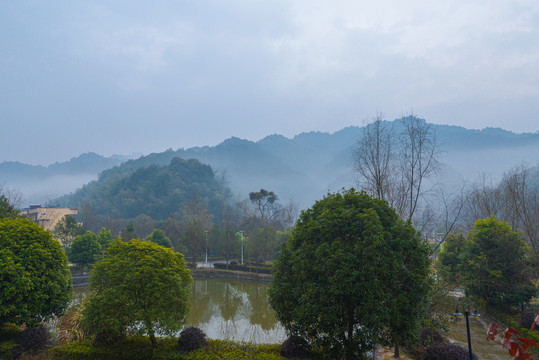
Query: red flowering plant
{"x":517,"y":346}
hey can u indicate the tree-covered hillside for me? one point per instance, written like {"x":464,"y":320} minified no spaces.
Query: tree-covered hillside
{"x":155,"y":190}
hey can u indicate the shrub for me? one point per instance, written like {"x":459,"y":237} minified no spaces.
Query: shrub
{"x":191,"y":339}
{"x":295,"y":347}
{"x":430,"y":336}
{"x":139,"y":287}
{"x":9,"y":331}
{"x":527,"y":319}
{"x":446,"y":352}
{"x":105,"y":337}
{"x":34,"y":338}
{"x":69,"y":325}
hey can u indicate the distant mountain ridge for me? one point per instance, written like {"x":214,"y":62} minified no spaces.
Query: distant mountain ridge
{"x":38,"y":183}
{"x":307,"y":166}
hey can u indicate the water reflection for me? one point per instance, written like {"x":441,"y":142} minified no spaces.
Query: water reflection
{"x":234,"y":309}
{"x":228,"y":309}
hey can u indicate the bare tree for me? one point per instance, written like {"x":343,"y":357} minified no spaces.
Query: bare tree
{"x":372,"y":157}
{"x":418,"y":159}
{"x":484,"y":199}
{"x":144,"y":225}
{"x":13,"y":197}
{"x":515,"y":199}
{"x":394,"y":167}
{"x":521,"y":189}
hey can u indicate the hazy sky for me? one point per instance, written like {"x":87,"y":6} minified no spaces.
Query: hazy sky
{"x":144,"y":76}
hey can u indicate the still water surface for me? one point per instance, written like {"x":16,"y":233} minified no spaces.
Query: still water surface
{"x":229,"y":309}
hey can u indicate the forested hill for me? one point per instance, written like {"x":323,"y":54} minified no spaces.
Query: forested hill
{"x":155,"y":190}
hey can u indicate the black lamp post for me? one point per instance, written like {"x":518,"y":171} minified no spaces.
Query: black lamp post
{"x":475,"y":315}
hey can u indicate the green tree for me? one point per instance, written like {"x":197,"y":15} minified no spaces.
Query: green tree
{"x":35,"y":282}
{"x":128,"y":233}
{"x":85,"y":249}
{"x":66,"y":229}
{"x":104,"y":238}
{"x":158,"y":237}
{"x":495,"y":266}
{"x":265,"y":203}
{"x":7,"y":210}
{"x":338,"y":276}
{"x":450,"y":258}
{"x":138,"y":286}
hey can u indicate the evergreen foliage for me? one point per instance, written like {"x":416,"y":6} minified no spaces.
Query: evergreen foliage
{"x":352,"y":275}
{"x":156,"y":190}
{"x":450,"y":258}
{"x":527,"y":319}
{"x":191,"y":339}
{"x":32,"y":338}
{"x":104,"y":238}
{"x":158,"y":237}
{"x":34,"y":276}
{"x":66,"y":230}
{"x":139,"y":286}
{"x":7,"y":210}
{"x":295,"y":347}
{"x":494,"y":265}
{"x":85,"y":249}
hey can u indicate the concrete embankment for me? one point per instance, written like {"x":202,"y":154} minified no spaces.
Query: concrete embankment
{"x":82,"y":280}
{"x":230,"y":274}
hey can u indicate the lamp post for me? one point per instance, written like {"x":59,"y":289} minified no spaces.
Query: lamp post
{"x":206,"y":262}
{"x":241,"y":233}
{"x":475,"y":314}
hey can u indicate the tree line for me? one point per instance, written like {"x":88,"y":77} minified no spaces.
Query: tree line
{"x":257,"y":226}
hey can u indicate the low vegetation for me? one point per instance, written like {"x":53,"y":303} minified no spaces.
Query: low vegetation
{"x":138,"y":348}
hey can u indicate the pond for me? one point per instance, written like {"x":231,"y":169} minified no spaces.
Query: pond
{"x":229,"y":310}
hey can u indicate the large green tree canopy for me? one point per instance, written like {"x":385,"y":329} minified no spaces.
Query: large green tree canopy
{"x":85,"y":249}
{"x":35,"y":282}
{"x":349,"y":275}
{"x":138,"y":285}
{"x":494,"y":266}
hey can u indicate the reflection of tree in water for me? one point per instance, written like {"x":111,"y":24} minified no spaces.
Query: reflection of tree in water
{"x":261,"y":313}
{"x":234,"y":309}
{"x":200,"y":311}
{"x":229,"y":302}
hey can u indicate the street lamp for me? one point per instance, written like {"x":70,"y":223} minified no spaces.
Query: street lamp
{"x":241,"y":233}
{"x":206,"y":262}
{"x":475,"y":315}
